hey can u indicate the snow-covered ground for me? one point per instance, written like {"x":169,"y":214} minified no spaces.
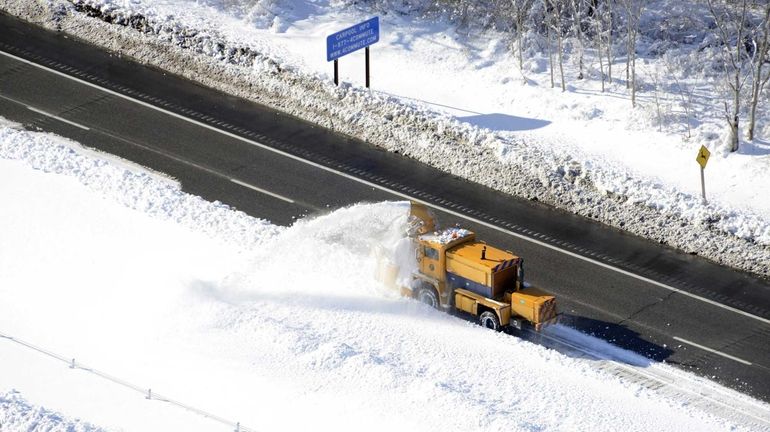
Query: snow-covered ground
{"x":16,"y":414}
{"x":451,"y":96}
{"x":270,"y":327}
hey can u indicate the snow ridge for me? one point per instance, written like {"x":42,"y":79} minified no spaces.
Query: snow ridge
{"x":137,"y":189}
{"x":247,"y":69}
{"x":16,"y":414}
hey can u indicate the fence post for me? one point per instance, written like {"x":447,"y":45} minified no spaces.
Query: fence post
{"x":149,"y":394}
{"x":72,"y":365}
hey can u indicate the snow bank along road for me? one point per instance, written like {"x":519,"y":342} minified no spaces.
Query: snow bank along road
{"x":639,"y":295}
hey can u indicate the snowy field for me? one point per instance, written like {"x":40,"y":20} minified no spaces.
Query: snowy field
{"x":451,"y":96}
{"x":113,"y":266}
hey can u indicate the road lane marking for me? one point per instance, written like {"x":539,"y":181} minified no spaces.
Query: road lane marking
{"x":393,"y":192}
{"x":711,"y":350}
{"x":655,"y":373}
{"x":57,"y":118}
{"x":266,"y":192}
{"x":166,"y":154}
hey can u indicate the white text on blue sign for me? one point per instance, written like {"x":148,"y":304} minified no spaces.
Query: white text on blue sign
{"x":352,"y":39}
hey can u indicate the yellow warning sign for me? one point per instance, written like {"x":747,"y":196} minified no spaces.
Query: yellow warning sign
{"x":703,"y":156}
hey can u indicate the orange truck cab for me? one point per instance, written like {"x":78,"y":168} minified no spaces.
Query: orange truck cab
{"x":458,"y":272}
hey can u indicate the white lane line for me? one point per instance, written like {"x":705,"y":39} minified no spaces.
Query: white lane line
{"x":168,"y":155}
{"x":396,"y":193}
{"x":57,"y":118}
{"x":654,"y":374}
{"x":712,"y":350}
{"x":266,"y":192}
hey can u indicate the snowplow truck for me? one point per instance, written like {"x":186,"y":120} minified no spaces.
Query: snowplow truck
{"x":454,"y":271}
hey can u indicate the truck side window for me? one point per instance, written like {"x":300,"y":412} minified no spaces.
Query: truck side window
{"x":430,"y":253}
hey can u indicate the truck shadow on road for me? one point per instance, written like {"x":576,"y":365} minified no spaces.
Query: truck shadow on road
{"x":588,"y":338}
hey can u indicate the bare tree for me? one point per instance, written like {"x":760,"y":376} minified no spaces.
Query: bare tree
{"x":519,"y":12}
{"x":549,"y":42}
{"x":731,"y":18}
{"x":685,"y":95}
{"x":654,"y":75}
{"x":555,"y":9}
{"x":598,"y":24}
{"x":607,"y":18}
{"x":578,"y":10}
{"x":760,"y":42}
{"x":600,"y":21}
{"x":633,"y":10}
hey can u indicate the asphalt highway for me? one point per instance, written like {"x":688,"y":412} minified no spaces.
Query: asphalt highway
{"x":637,"y":294}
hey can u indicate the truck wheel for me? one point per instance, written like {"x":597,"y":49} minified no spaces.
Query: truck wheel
{"x":428,"y":296}
{"x":489,"y":320}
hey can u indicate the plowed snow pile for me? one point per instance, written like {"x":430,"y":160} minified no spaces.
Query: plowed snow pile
{"x":275,"y":328}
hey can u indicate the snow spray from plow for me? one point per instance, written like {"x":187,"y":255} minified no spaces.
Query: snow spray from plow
{"x":354,"y":243}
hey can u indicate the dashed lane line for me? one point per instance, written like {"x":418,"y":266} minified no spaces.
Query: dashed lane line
{"x":263,"y":191}
{"x":47,"y":114}
{"x":166,"y":154}
{"x":712,"y":350}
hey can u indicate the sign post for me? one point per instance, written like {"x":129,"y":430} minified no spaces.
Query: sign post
{"x":352,"y":39}
{"x":702,"y":159}
{"x":367,"y":67}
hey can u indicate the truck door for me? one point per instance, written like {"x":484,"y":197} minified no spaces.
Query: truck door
{"x":430,"y":264}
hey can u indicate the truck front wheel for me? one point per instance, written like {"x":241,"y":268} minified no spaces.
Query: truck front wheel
{"x":489,"y":320}
{"x":428,"y":296}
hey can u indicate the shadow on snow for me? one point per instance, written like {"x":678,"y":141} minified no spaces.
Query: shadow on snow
{"x":504,"y":122}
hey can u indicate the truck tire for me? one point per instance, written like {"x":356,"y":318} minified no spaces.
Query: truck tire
{"x":489,"y":320}
{"x":428,"y":296}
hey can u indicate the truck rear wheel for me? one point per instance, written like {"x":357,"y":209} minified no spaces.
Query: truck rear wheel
{"x":428,"y":296}
{"x":489,"y":320}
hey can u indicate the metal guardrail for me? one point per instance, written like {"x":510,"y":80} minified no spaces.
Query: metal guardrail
{"x":147,"y":392}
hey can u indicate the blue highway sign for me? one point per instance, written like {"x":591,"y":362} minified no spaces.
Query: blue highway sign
{"x":352,"y":39}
